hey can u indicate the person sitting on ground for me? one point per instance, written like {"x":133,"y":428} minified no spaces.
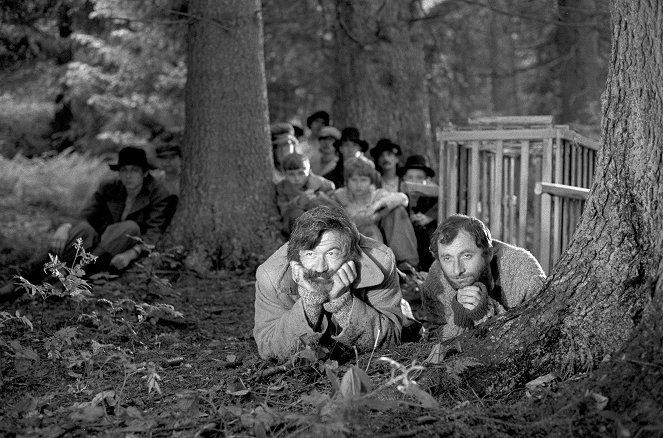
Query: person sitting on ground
{"x":378,"y":213}
{"x":301,"y":190}
{"x":310,"y":147}
{"x":132,"y":206}
{"x":169,"y":161}
{"x":474,"y":276}
{"x":328,"y":153}
{"x":350,"y":145}
{"x":284,"y":143}
{"x":422,"y":209}
{"x":328,"y":286}
{"x":386,"y":156}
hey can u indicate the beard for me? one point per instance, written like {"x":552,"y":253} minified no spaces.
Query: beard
{"x":321,"y":281}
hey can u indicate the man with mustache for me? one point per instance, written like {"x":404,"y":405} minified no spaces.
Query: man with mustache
{"x":327,"y":286}
{"x":474,"y":276}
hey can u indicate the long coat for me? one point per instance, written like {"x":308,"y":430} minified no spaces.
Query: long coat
{"x":375,"y":318}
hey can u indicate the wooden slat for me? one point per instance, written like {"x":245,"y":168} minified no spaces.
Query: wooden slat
{"x":411,"y":188}
{"x":485,"y":183}
{"x":512,"y":120}
{"x":499,"y":134}
{"x":523,"y":193}
{"x":496,"y":204}
{"x":562,"y":190}
{"x":512,"y":201}
{"x":473,"y":178}
{"x":557,"y":203}
{"x":546,"y":177}
{"x":452,"y":171}
{"x":573,"y":136}
{"x":441,"y":178}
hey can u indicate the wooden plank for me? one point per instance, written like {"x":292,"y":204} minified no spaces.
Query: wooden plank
{"x":452,"y":183}
{"x":512,"y":120}
{"x":441,"y":176}
{"x":411,"y":188}
{"x":557,"y":203}
{"x":473,"y":178}
{"x":562,"y":190}
{"x":496,"y":204}
{"x":499,"y":134}
{"x":523,"y":193}
{"x":512,"y":201}
{"x":462,"y":180}
{"x":546,"y":177}
{"x":573,"y":136}
{"x":485,"y":193}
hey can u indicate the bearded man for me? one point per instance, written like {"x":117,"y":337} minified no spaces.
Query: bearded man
{"x":474,"y":276}
{"x":327,"y":286}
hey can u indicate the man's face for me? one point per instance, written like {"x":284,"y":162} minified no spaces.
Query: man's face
{"x":322,"y":262}
{"x":317,"y":125}
{"x":349,"y":149}
{"x":170,"y":163}
{"x":388,"y":160}
{"x":463,"y":262}
{"x":132,"y":177}
{"x":415,"y":176}
{"x":298,"y":177}
{"x":359,"y":185}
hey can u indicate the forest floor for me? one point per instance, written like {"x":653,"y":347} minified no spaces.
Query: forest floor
{"x":120,"y":364}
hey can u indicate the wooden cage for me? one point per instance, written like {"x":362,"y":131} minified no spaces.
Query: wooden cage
{"x":526,"y":178}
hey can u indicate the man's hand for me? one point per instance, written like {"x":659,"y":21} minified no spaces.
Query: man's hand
{"x":420,"y":219}
{"x":469,"y":297}
{"x":59,"y":238}
{"x":122,"y":260}
{"x":343,"y":278}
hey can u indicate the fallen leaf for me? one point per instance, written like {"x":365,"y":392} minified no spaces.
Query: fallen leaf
{"x":237,"y":388}
{"x":437,"y":354}
{"x":354,"y":382}
{"x":539,"y":381}
{"x":88,"y":414}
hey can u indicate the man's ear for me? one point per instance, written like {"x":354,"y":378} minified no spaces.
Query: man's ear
{"x":489,"y":253}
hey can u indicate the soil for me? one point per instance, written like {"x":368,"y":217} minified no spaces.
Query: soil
{"x":89,"y":368}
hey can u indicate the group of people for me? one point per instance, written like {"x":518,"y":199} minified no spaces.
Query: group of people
{"x":333,"y":168}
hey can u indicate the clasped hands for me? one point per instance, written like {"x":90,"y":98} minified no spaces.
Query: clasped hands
{"x":470,"y":296}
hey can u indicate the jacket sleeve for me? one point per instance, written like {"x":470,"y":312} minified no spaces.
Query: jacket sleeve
{"x":95,"y":211}
{"x":280,"y":324}
{"x":158,"y":216}
{"x":377,"y":319}
{"x":392,"y":199}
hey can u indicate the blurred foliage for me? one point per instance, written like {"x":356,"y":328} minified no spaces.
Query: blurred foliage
{"x":118,"y":66}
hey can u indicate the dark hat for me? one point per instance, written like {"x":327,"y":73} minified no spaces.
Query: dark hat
{"x":416,"y":162}
{"x":167,"y":149}
{"x":299,"y":132}
{"x":131,"y":156}
{"x":279,"y":129}
{"x":351,"y":134}
{"x":384,"y":144}
{"x":324,"y":115}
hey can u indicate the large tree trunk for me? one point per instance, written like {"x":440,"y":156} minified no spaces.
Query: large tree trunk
{"x":580,"y":74}
{"x":227,"y":194}
{"x":381,"y":72}
{"x":606,"y":288}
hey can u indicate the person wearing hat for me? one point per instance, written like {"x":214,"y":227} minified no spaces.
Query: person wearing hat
{"x":386,"y":155}
{"x":169,"y":159}
{"x":350,"y":145}
{"x":284,"y":143}
{"x":311,"y":145}
{"x":133,"y":204}
{"x":422,"y":209}
{"x":328,"y":153}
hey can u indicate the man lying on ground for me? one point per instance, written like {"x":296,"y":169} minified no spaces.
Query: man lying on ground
{"x":474,"y":276}
{"x":327,"y":286}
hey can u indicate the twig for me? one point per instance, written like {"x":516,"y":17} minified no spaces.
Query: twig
{"x":375,"y":345}
{"x":268,"y":372}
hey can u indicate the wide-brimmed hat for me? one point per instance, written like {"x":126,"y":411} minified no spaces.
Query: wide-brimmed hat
{"x":416,"y":162}
{"x":131,"y":156}
{"x":330,"y":131}
{"x":351,"y":134}
{"x":385,"y":144}
{"x":324,"y":115}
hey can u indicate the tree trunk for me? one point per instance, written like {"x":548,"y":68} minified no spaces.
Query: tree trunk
{"x":381,"y":72}
{"x":502,"y":57}
{"x":606,"y":288}
{"x":580,"y":73}
{"x":227,"y":193}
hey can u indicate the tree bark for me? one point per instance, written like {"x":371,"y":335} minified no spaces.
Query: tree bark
{"x":606,"y":288}
{"x":227,"y":193}
{"x":381,"y":71}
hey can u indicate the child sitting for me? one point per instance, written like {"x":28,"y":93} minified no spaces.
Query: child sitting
{"x":301,"y":190}
{"x":378,"y":213}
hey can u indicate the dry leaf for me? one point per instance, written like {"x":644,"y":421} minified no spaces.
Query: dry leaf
{"x":542,"y":380}
{"x":355,"y":381}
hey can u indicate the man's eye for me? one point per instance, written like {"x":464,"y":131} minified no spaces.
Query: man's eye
{"x":446,"y":259}
{"x":467,"y":256}
{"x":334,"y":254}
{"x":308,"y":254}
